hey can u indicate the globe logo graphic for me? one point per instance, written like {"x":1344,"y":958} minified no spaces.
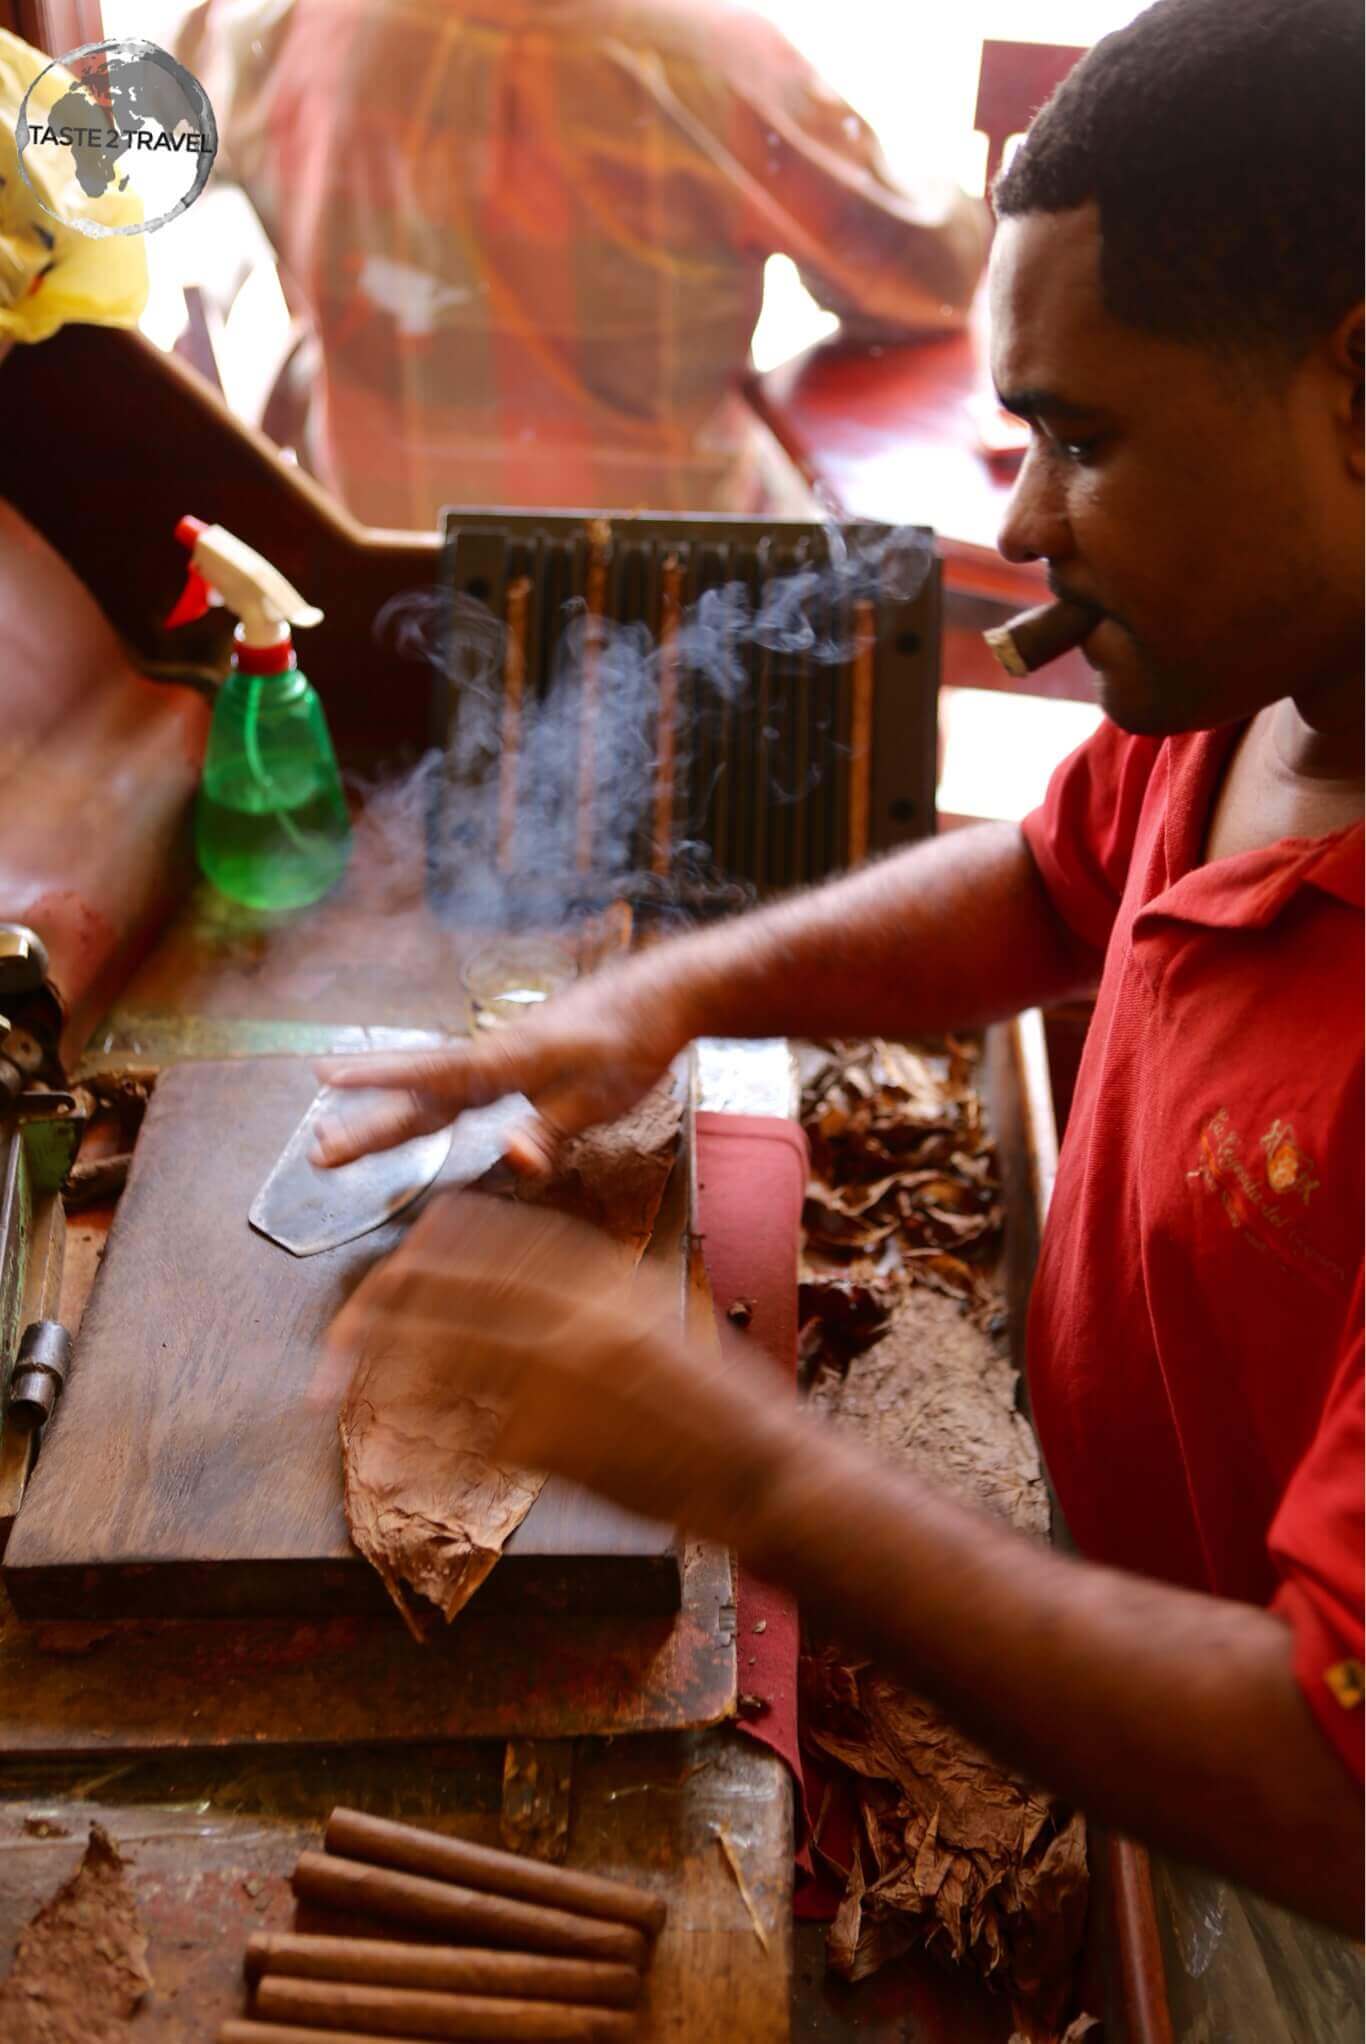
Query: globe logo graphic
{"x":131,"y":120}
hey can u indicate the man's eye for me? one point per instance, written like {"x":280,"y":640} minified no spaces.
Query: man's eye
{"x":1081,"y":450}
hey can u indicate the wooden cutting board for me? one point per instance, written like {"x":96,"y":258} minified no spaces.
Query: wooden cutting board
{"x":185,"y":1474}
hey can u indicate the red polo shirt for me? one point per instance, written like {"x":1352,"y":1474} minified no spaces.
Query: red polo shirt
{"x":1195,"y":1335}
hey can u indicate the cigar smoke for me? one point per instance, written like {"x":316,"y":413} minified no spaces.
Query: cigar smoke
{"x":724,"y":642}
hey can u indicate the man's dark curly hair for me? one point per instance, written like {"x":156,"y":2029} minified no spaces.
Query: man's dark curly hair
{"x":1222,"y":142}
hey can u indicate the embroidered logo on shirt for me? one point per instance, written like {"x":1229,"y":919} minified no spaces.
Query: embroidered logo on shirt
{"x":1347,"y":1680}
{"x":1286,"y":1163}
{"x":1263,"y":1204}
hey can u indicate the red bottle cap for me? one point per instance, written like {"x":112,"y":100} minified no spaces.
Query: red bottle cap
{"x":277,"y":659}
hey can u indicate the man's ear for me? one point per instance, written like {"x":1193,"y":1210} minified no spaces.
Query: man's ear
{"x":1349,"y":361}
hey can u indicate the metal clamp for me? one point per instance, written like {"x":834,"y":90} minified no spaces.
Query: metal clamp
{"x":23,"y":959}
{"x":40,"y":1371}
{"x":24,"y":969}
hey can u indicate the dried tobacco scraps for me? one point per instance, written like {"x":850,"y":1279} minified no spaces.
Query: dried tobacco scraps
{"x":901,"y":1322}
{"x":80,"y":1970}
{"x":614,"y":1175}
{"x":967,"y":1859}
{"x":934,"y":1392}
{"x":1075,"y":2033}
{"x":904,"y":1188}
{"x":427,"y":1504}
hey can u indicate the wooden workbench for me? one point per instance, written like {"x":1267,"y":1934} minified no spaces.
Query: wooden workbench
{"x":212,"y":1839}
{"x":213,"y":1834}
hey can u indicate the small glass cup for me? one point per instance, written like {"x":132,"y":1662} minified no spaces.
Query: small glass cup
{"x":508,"y":979}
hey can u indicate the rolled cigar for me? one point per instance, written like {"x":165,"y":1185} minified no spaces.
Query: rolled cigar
{"x":461,"y":1912}
{"x":1037,"y":636}
{"x":387,"y":1844}
{"x":412,"y":2012}
{"x":376,"y":1962}
{"x":95,"y":1178}
{"x":239,"y":2031}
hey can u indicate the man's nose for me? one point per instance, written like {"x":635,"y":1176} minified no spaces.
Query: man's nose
{"x":1035,"y":525}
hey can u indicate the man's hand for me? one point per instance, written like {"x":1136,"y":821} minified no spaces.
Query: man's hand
{"x":586,"y":1057}
{"x":541,"y":1317}
{"x":1169,"y":1715}
{"x":951,"y":932}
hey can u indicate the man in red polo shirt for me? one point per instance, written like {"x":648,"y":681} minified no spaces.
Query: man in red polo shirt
{"x":1176,"y":290}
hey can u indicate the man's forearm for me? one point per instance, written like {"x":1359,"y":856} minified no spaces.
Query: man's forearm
{"x":1168,"y":1715}
{"x":955,"y":931}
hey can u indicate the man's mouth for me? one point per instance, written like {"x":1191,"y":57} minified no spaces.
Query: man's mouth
{"x":1093,"y":645}
{"x":1075,"y":597}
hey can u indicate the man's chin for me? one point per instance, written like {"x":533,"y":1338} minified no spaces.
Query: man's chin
{"x":1131,"y":692}
{"x":1135,"y":712}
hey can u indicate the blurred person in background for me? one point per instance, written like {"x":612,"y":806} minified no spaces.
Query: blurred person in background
{"x":530,"y":238}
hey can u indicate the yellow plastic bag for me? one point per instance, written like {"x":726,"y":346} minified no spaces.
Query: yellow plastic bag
{"x":50,"y":272}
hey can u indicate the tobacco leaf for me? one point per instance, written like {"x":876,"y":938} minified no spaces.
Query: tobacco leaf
{"x":935,"y":1393}
{"x":427,"y":1504}
{"x":831,"y":1225}
{"x":538,"y":1784}
{"x":1075,"y":2033}
{"x":614,"y":1176}
{"x":954,"y":1853}
{"x":837,"y":1319}
{"x":902,"y":1167}
{"x":969,"y":1860}
{"x":80,"y":1969}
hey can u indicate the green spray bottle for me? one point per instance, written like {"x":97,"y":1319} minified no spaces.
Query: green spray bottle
{"x":271,"y":826}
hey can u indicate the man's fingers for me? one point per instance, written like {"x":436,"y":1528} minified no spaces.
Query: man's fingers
{"x":466,"y":1246}
{"x":435,"y":1071}
{"x":427,"y":1090}
{"x":343,"y":1132}
{"x":488,"y":1270}
{"x":565,"y":1107}
{"x":493,"y":1246}
{"x":463,"y":1074}
{"x":533,"y":1147}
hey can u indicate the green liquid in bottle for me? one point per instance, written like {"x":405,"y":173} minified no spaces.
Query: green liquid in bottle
{"x":271,"y":828}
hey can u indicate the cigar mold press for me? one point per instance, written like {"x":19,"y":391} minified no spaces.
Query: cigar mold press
{"x":680,"y":712}
{"x":40,"y":1128}
{"x":468,"y":1941}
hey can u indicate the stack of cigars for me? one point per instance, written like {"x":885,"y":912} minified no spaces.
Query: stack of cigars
{"x":527,"y":1950}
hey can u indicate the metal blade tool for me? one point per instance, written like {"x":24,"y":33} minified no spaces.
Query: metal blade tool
{"x":307,"y":1210}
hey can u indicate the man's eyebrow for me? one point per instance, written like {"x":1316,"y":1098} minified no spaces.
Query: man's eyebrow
{"x":1042,"y":404}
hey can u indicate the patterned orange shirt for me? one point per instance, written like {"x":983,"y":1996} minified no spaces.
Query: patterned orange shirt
{"x":530,"y":235}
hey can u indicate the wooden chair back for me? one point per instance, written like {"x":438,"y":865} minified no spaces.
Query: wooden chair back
{"x":1014,"y":81}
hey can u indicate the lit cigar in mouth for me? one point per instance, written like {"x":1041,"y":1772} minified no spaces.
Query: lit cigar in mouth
{"x":1037,"y":636}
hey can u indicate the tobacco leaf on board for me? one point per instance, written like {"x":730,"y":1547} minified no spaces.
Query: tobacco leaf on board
{"x":427,"y":1504}
{"x":80,"y":1968}
{"x":614,"y":1176}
